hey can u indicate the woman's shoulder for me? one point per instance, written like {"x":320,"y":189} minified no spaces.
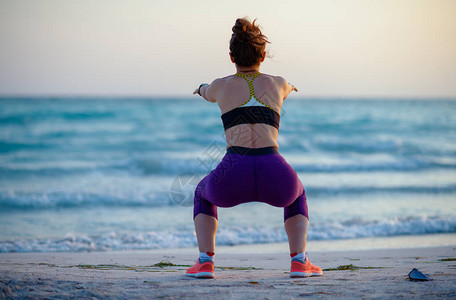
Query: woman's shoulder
{"x":230,"y":80}
{"x":222,"y":80}
{"x":233,"y":76}
{"x":277,"y":79}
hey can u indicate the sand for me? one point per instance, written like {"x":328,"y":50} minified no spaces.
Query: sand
{"x":134,"y":274}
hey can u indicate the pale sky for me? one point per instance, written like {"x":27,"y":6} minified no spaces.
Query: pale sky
{"x":327,"y":48}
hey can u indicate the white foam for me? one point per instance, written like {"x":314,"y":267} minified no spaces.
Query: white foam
{"x":233,"y":235}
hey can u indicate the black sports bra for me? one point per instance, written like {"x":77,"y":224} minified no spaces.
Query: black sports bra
{"x":252,"y":111}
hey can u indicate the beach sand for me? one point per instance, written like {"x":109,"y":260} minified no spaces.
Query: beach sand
{"x":149,"y":274}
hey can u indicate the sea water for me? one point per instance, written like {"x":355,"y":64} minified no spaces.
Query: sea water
{"x":92,"y":174}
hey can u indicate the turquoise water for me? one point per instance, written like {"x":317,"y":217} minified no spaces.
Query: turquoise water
{"x":108,"y":174}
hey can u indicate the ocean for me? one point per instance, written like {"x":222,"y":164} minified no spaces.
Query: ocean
{"x":104,"y":174}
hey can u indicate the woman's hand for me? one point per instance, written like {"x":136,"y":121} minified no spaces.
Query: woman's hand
{"x":199,"y":89}
{"x":293,"y":88}
{"x":206,"y":91}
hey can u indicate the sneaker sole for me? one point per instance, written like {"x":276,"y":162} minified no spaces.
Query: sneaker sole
{"x":201,"y":275}
{"x":303,"y":274}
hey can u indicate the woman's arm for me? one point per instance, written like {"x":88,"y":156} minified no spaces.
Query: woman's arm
{"x":208,"y":91}
{"x":287,"y":87}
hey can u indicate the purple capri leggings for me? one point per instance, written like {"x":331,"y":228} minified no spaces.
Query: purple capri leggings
{"x":240,"y":178}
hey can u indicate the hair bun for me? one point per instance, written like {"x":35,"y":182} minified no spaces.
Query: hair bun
{"x":243,"y":31}
{"x":247,"y":43}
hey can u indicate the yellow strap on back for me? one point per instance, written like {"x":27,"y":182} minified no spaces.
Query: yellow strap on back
{"x":250,"y":82}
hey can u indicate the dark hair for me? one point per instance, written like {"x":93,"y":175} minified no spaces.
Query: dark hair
{"x":247,"y":43}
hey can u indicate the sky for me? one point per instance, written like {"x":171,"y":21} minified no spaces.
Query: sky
{"x":327,"y":48}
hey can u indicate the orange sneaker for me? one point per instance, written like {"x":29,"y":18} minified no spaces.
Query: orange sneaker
{"x":204,"y":270}
{"x":306,"y":269}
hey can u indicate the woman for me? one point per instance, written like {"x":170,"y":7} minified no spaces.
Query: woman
{"x":252,"y":169}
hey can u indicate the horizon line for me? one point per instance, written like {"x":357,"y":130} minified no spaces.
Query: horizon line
{"x":157,"y":97}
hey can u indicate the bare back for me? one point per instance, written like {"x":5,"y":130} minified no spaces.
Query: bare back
{"x":233,"y":91}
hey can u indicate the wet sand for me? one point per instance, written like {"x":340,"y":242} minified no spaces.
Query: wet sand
{"x":161,"y":274}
